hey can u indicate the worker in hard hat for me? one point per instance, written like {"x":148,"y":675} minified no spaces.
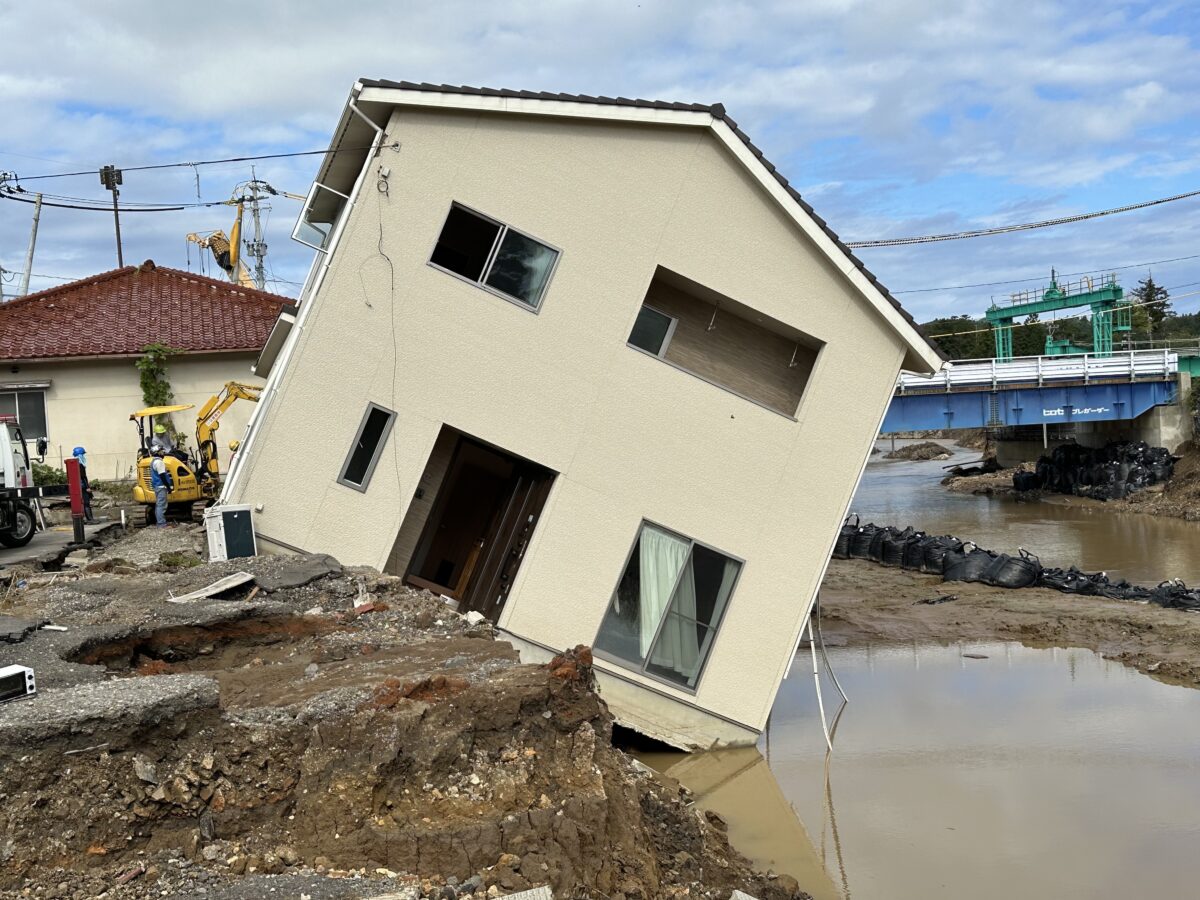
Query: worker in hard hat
{"x":81,"y":454}
{"x":162,"y":434}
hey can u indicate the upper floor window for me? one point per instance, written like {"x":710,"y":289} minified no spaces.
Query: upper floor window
{"x":494,"y":256}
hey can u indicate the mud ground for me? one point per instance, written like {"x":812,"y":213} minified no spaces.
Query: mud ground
{"x":862,"y":600}
{"x":316,"y":731}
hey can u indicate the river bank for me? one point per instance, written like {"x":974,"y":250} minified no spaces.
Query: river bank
{"x":314,"y":730}
{"x":861,"y":600}
{"x":1177,"y":498}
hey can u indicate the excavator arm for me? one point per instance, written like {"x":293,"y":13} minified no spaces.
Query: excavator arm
{"x":208,"y":420}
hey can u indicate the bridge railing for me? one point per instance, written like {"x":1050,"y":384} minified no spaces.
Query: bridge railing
{"x":1040,"y":370}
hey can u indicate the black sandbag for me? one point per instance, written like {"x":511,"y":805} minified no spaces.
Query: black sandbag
{"x":1175,"y":595}
{"x":967,"y":564}
{"x":934,"y":558}
{"x":1072,"y":581}
{"x":1013,"y":571}
{"x":875,"y":553}
{"x":1026,"y":481}
{"x":860,"y":541}
{"x":841,"y":548}
{"x":914,"y":551}
{"x":894,"y":543}
{"x":1123,"y":590}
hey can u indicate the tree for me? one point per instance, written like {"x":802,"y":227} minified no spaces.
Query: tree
{"x":1154,"y":299}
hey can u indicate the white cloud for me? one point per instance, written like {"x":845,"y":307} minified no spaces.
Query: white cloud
{"x":886,"y":106}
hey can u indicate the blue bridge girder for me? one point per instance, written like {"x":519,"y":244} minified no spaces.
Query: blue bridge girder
{"x":1008,"y":406}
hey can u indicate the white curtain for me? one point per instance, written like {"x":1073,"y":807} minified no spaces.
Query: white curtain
{"x":660,"y":557}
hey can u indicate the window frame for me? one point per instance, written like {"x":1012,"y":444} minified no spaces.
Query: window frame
{"x":302,"y":219}
{"x":667,"y":338}
{"x":491,"y":258}
{"x":375,"y":455}
{"x":14,"y":392}
{"x":641,"y":668}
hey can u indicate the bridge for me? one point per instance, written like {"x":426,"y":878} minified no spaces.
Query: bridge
{"x":1036,"y":390}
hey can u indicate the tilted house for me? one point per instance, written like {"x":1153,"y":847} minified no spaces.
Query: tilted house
{"x":69,"y":356}
{"x":589,"y":367}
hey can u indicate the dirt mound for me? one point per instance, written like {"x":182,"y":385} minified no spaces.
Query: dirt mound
{"x":348,"y":736}
{"x":922,"y":451}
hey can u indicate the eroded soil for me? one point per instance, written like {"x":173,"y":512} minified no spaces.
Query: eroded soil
{"x":319,"y":732}
{"x":864,"y":600}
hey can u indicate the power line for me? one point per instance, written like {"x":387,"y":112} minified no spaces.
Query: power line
{"x":1007,"y":229}
{"x":202,"y":162}
{"x":7,"y":196}
{"x":960,"y":287}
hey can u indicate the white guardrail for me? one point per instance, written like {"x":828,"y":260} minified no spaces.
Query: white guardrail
{"x":1085,"y":367}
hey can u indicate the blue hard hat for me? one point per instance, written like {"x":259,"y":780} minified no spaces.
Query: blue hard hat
{"x":78,"y":451}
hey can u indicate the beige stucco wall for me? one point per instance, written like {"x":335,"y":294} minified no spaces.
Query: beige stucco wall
{"x":634,"y":438}
{"x":89,"y":401}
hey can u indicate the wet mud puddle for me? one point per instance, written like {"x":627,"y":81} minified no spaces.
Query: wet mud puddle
{"x":1027,"y":773}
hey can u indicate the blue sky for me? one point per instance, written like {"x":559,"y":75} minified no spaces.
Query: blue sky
{"x":892,"y":118}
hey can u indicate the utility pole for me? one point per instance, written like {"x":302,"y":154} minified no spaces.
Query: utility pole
{"x":37,"y":213}
{"x":257,"y":247}
{"x":110,"y":177}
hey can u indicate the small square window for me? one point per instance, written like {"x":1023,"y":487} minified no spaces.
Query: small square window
{"x":368,"y":445}
{"x":494,"y":256}
{"x":652,"y":331}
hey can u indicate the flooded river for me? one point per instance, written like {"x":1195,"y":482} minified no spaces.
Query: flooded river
{"x":1029,"y":773}
{"x":1143,"y":549}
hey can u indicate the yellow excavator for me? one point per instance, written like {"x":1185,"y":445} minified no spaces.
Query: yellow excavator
{"x":195,"y":478}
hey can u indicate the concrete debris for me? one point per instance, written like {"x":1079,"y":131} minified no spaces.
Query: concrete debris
{"x":473,"y":617}
{"x":299,"y":571}
{"x":13,"y":630}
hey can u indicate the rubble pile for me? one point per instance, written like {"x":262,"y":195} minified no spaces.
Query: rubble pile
{"x":322,"y":731}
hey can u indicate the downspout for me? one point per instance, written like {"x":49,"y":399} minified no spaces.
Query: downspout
{"x":308,"y":294}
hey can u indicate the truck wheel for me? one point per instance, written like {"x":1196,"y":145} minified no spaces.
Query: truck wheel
{"x":24,"y":526}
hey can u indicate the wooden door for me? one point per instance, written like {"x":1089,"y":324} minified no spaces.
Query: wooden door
{"x":504,"y":550}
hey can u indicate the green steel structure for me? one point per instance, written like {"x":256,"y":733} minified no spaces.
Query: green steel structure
{"x":1109,"y":312}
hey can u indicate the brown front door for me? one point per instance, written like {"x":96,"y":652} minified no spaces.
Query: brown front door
{"x":484,"y":516}
{"x":498,"y":564}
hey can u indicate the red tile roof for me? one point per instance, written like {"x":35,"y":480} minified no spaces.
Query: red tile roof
{"x":118,"y":313}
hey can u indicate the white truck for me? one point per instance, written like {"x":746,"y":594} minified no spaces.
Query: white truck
{"x":18,"y":494}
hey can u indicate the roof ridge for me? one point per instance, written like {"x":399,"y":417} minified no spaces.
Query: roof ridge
{"x":70,"y":285}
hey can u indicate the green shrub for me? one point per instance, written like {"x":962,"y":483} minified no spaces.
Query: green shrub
{"x":45,"y":475}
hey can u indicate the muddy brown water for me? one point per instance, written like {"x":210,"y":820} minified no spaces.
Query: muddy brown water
{"x":1032,"y":773}
{"x":1027,"y":773}
{"x":1062,"y":532}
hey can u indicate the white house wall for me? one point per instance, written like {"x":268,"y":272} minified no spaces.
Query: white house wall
{"x":633,"y":437}
{"x":89,"y":401}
